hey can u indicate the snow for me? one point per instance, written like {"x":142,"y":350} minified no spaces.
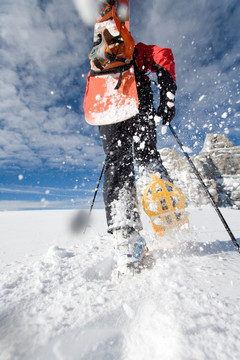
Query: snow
{"x":170,"y":104}
{"x":164,"y":129}
{"x":98,"y":97}
{"x":170,"y":95}
{"x":121,"y":105}
{"x":57,"y":300}
{"x":224,"y":115}
{"x":187,"y":149}
{"x":201,"y":98}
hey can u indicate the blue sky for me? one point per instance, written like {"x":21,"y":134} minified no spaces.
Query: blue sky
{"x":50,"y":157}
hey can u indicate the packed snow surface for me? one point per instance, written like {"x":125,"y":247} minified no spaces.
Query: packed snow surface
{"x":58,"y":300}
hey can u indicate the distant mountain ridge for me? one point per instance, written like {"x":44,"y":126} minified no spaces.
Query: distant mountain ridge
{"x":219,"y":166}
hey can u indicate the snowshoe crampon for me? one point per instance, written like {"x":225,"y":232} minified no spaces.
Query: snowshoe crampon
{"x":164,"y":203}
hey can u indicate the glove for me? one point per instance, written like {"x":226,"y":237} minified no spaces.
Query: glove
{"x":166,"y":109}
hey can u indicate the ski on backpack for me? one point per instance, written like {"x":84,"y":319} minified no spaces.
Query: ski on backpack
{"x":111,"y":93}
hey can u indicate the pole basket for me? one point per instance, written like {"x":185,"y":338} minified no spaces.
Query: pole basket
{"x":164,"y":203}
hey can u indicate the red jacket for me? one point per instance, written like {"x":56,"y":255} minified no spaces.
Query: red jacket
{"x":148,"y":56}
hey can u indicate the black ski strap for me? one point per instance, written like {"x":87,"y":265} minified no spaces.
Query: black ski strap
{"x":114,"y":70}
{"x":117,"y":70}
{"x":119,"y":80}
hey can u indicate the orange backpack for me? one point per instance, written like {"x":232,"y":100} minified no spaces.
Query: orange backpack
{"x":113,"y":44}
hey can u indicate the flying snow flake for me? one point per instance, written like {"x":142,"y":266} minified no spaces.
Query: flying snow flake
{"x":157,"y":119}
{"x":44,"y":202}
{"x":164,"y":129}
{"x":136,"y":139}
{"x":20,"y":177}
{"x":170,"y":104}
{"x":187,"y":149}
{"x":69,"y":107}
{"x":201,"y":98}
{"x":170,"y":95}
{"x":224,"y":115}
{"x":122,"y":12}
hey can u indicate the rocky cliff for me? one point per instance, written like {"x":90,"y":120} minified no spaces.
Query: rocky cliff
{"x":219,"y":166}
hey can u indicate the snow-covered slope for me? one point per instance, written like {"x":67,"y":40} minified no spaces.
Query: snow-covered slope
{"x":58,"y":302}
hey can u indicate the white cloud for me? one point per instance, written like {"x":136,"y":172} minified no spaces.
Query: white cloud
{"x":43,"y":50}
{"x":87,"y":10}
{"x":15,"y":205}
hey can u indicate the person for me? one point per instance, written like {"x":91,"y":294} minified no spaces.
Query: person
{"x":135,"y":141}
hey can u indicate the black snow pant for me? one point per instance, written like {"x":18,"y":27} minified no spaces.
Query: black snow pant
{"x":125,"y":142}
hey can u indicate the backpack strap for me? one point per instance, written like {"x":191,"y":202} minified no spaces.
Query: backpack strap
{"x":115,"y":70}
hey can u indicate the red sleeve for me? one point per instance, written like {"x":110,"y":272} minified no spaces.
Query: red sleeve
{"x":147,"y":55}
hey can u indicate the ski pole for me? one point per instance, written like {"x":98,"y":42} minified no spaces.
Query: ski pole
{"x":96,"y":190}
{"x":81,"y":220}
{"x":206,"y":190}
{"x":95,"y":195}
